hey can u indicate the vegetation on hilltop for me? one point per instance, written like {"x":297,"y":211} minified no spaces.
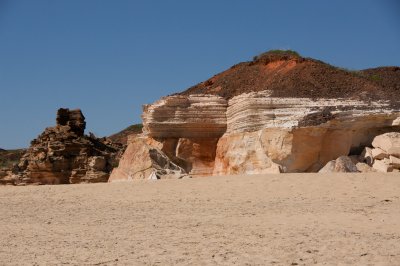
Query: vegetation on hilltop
{"x":277,"y":53}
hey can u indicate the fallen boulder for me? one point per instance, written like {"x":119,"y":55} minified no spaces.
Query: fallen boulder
{"x":365,"y":168}
{"x":343,"y":164}
{"x":388,"y":142}
{"x":379,"y":154}
{"x":366,"y":156}
{"x":394,"y":162}
{"x":383,"y":165}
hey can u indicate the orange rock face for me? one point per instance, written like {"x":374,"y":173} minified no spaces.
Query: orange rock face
{"x":199,"y":155}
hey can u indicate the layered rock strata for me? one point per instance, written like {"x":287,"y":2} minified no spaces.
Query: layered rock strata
{"x":256,"y":133}
{"x":64,"y":155}
{"x":196,"y":116}
{"x":186,"y":129}
{"x":279,"y":112}
{"x":275,"y":134}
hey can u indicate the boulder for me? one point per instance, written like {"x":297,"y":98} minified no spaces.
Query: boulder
{"x":389,"y":142}
{"x":328,"y":168}
{"x":365,"y":168}
{"x":343,"y":164}
{"x":383,"y":166}
{"x":355,"y":159}
{"x":366,"y":156}
{"x":394,"y":162}
{"x":379,"y":154}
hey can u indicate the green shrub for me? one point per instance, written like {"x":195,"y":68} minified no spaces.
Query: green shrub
{"x":272,"y":53}
{"x":375,"y":77}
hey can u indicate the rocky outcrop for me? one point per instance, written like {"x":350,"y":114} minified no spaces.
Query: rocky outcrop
{"x":73,"y":119}
{"x":296,"y":134}
{"x":263,"y":134}
{"x":64,"y":155}
{"x":187,"y":129}
{"x":276,"y":114}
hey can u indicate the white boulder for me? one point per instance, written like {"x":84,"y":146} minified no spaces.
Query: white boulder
{"x":389,"y":142}
{"x":383,"y":165}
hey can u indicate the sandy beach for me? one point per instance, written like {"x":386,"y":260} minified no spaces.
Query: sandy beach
{"x":289,"y":219}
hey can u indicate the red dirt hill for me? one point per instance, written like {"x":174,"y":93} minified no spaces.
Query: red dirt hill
{"x":287,"y":74}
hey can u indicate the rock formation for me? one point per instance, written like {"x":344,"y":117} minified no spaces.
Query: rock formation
{"x":343,"y":164}
{"x":145,"y":161}
{"x":383,"y":157}
{"x":278,"y":113}
{"x":386,"y":152}
{"x":64,"y":155}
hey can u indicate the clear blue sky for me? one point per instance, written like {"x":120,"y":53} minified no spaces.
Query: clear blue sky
{"x":110,"y":57}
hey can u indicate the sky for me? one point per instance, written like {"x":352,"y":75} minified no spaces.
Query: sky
{"x":108,"y":58}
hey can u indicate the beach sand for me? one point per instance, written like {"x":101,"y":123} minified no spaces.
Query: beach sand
{"x":288,"y":219}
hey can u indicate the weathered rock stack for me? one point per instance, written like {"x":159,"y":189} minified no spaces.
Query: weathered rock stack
{"x":278,"y":113}
{"x":64,"y":155}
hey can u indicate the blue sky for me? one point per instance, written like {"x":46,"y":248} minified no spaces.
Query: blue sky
{"x":110,"y":57}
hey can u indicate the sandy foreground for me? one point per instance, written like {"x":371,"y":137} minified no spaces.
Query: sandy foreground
{"x":291,"y":219}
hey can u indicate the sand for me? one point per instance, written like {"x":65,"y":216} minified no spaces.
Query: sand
{"x":290,"y":219}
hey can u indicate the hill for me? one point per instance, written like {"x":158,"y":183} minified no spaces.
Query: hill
{"x":287,"y":74}
{"x":10,"y":157}
{"x":122,"y":136}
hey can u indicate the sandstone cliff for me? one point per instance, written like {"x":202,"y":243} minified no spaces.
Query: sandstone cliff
{"x":64,"y":155}
{"x":278,"y":113}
